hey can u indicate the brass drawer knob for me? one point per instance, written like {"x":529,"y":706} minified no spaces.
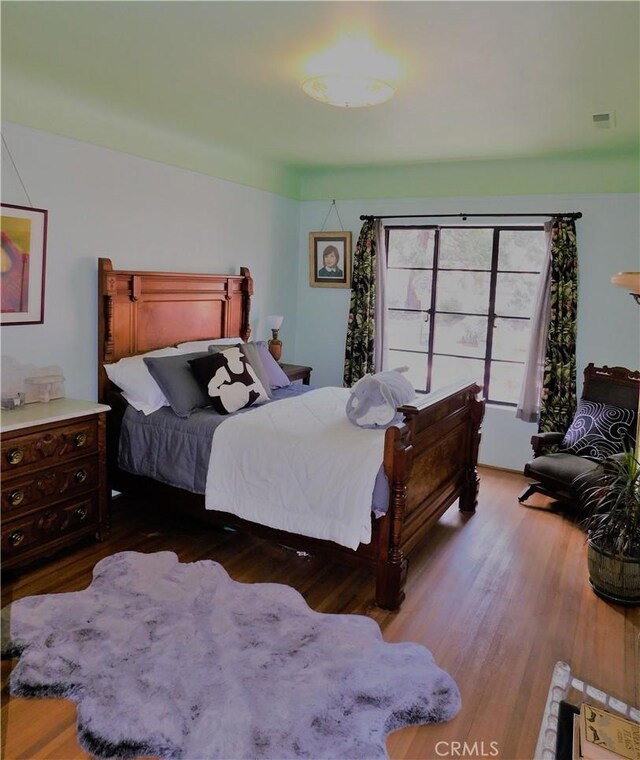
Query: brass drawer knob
{"x":16,"y":538}
{"x":15,"y":456}
{"x":79,"y":440}
{"x":16,"y":497}
{"x":81,"y":513}
{"x":80,"y":476}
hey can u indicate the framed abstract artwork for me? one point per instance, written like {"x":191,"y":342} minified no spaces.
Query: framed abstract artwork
{"x":22,"y":273}
{"x":330,"y":259}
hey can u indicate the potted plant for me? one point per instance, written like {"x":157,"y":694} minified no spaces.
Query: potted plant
{"x":612,"y":521}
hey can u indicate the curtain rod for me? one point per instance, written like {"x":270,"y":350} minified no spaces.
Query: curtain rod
{"x":368,"y":217}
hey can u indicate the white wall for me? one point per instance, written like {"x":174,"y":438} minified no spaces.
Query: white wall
{"x":608,"y":319}
{"x":142,"y":215}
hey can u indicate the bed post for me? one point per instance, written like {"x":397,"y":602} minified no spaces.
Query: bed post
{"x":247,"y":290}
{"x":469,"y":496}
{"x":106,"y":290}
{"x":391,"y":566}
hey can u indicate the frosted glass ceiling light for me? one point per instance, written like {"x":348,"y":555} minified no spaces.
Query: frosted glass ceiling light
{"x":351,"y":74}
{"x":348,"y":91}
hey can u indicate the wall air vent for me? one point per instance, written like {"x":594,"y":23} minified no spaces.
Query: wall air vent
{"x":604,"y":120}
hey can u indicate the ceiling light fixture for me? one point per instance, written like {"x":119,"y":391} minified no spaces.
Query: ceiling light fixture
{"x":352,"y":73}
{"x":348,"y":91}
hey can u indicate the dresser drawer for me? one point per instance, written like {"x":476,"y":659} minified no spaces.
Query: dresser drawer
{"x":24,"y":491}
{"x":48,"y":526}
{"x":50,"y":446}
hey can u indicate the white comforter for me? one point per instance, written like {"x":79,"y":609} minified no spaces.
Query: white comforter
{"x":298,"y":465}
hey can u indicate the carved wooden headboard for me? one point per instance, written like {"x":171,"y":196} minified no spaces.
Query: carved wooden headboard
{"x":139,"y":311}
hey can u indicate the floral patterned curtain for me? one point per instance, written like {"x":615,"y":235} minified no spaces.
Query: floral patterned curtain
{"x":559,"y":401}
{"x":359,"y":348}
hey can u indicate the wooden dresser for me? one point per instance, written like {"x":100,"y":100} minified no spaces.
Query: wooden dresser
{"x":54,"y":482}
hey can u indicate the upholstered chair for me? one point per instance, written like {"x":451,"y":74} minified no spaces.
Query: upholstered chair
{"x":604,"y":424}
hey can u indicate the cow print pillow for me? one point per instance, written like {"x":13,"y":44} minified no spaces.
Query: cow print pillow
{"x":229,"y":380}
{"x":599,"y":430}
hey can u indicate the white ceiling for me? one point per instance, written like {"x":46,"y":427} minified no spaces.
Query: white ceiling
{"x":481,"y":79}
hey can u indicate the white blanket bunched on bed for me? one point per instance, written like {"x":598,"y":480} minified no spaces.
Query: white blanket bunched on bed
{"x":298,"y":465}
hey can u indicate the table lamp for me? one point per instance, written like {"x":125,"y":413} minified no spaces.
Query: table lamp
{"x":275,"y":344}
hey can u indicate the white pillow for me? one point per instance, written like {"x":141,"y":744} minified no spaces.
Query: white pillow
{"x":202,"y":345}
{"x":134,"y":379}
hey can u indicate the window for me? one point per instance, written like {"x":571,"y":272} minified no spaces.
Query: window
{"x":459,"y":304}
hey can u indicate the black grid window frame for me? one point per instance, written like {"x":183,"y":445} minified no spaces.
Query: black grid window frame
{"x":492,"y":315}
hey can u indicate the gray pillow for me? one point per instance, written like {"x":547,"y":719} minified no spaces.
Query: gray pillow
{"x":277,"y":377}
{"x":178,"y":383}
{"x":252,"y":353}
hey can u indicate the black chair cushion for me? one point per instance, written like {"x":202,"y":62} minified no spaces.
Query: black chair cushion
{"x":598,"y":430}
{"x":561,"y":468}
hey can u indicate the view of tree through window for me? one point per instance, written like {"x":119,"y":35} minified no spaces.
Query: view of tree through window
{"x":459,"y":304}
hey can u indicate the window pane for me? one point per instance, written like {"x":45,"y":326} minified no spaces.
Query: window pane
{"x":456,"y":334}
{"x":466,"y":248}
{"x":410,"y":248}
{"x":407,"y":330}
{"x":463,"y":291}
{"x":511,"y":339}
{"x":522,"y":250}
{"x":450,"y":369}
{"x":506,"y":379}
{"x":515,"y":294}
{"x":409,"y":288}
{"x":417,"y":363}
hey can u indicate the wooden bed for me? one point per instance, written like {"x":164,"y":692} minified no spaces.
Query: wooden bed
{"x":430,"y":460}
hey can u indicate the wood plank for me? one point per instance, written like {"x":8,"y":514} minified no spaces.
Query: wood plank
{"x":498,"y":597}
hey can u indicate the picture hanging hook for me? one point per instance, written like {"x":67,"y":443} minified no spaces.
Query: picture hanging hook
{"x":332,"y":206}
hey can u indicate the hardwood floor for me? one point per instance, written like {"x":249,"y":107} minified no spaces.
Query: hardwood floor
{"x":498,"y":598}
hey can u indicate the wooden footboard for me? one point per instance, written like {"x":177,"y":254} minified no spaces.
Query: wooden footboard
{"x":430,"y":462}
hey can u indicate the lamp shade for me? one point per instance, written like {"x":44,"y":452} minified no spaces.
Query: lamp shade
{"x":275,"y":321}
{"x":630,"y":281}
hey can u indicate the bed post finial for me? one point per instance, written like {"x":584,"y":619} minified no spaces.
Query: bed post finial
{"x":106,"y":289}
{"x":247,"y":289}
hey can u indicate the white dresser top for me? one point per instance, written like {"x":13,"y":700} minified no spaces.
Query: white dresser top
{"x":40,"y":413}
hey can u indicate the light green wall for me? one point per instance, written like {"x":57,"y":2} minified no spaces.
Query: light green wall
{"x":532,"y":176}
{"x":42,"y":106}
{"x":142,"y":215}
{"x":47,"y":108}
{"x":608,"y":236}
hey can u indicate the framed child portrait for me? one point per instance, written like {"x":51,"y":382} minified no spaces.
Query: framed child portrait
{"x":330,"y":259}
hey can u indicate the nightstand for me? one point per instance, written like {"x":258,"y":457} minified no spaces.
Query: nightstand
{"x":297,"y":372}
{"x":54,"y":478}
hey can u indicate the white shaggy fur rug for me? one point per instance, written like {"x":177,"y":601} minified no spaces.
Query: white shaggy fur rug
{"x":179,"y":661}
